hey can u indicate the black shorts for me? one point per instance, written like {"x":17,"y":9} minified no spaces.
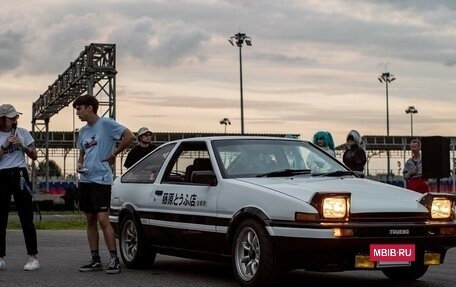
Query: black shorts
{"x":94,"y":197}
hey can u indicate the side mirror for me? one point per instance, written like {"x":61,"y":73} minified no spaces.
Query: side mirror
{"x":204,"y":177}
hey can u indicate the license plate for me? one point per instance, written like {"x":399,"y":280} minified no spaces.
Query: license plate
{"x":400,"y":253}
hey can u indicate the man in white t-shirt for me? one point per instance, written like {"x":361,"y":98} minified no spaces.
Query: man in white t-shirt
{"x":97,"y":153}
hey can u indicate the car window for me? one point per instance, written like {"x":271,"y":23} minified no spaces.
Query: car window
{"x":146,"y":170}
{"x":189,"y":157}
{"x":250,"y":158}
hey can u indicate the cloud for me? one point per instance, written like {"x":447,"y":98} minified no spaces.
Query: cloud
{"x":11,"y":46}
{"x":164,"y":46}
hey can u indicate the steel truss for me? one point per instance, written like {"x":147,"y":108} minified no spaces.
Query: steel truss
{"x":93,"y":73}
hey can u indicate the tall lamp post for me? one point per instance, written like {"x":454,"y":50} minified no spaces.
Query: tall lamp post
{"x":411,"y":110}
{"x":225,"y":121}
{"x":239,"y":39}
{"x":387,"y":78}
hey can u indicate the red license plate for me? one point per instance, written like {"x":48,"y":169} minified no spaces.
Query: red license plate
{"x":392,"y":252}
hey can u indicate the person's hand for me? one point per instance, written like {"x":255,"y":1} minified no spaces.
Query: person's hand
{"x":13,"y":140}
{"x":17,"y":140}
{"x":80,"y":168}
{"x":110,"y":159}
{"x":8,"y":142}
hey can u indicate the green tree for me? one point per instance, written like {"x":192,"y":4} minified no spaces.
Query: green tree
{"x":54,"y":169}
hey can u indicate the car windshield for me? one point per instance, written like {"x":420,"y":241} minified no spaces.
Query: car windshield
{"x":273,"y":158}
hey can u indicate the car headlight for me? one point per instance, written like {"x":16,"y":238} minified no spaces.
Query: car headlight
{"x":335,"y":207}
{"x":440,"y":206}
{"x":332,"y":206}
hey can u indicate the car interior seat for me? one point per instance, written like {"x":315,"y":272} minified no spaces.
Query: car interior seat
{"x":198,"y":164}
{"x":188,"y":172}
{"x":202,"y":164}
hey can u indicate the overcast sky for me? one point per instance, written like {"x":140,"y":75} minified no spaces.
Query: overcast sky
{"x":312,"y":64}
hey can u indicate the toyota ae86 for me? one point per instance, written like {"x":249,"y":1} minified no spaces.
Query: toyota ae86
{"x":270,"y":205}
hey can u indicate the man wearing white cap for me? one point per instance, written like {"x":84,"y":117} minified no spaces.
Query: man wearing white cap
{"x":143,"y":148}
{"x":16,"y":142}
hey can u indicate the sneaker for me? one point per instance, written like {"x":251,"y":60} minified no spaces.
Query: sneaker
{"x":32,"y":264}
{"x":2,"y":264}
{"x":114,"y":266}
{"x":92,"y":266}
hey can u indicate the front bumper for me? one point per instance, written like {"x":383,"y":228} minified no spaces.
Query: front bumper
{"x":318,"y":248}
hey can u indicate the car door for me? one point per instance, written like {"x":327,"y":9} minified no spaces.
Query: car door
{"x":137,"y":186}
{"x":186,"y":210}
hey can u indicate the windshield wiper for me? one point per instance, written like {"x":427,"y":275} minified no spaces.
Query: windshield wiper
{"x":285,"y":172}
{"x":337,"y":173}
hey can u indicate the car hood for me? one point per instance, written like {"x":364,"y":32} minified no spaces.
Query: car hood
{"x":366,"y":195}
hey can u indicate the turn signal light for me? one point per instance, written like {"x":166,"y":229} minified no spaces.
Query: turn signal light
{"x":363,"y":262}
{"x":342,"y":232}
{"x":431,"y":258}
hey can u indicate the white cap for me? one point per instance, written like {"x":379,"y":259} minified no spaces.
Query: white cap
{"x":142,"y":131}
{"x":8,"y":111}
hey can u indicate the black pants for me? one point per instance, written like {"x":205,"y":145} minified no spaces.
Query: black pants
{"x":10,"y":184}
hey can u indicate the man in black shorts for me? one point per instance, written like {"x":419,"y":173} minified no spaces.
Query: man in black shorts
{"x":97,"y":153}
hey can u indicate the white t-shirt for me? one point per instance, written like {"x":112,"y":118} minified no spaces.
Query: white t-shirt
{"x":98,"y":141}
{"x":14,"y":156}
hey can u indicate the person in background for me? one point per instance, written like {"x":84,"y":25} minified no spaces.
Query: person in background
{"x":97,"y":155}
{"x":324,"y":140}
{"x":413,"y":169}
{"x":143,"y":147}
{"x":315,"y":162}
{"x":16,"y":142}
{"x":354,"y":156}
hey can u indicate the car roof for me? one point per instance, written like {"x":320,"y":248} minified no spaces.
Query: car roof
{"x":213,"y":138}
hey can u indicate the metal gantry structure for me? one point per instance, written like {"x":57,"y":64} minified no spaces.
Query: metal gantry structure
{"x":92,"y":73}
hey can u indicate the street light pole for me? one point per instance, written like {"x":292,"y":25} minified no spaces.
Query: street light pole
{"x":411,"y":110}
{"x":225,"y":121}
{"x":239,"y":39}
{"x":387,"y":78}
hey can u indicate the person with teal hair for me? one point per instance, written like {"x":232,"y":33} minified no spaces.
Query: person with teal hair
{"x":315,"y":162}
{"x":324,"y":140}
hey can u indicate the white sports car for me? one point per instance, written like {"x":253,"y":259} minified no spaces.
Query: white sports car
{"x":271,"y":205}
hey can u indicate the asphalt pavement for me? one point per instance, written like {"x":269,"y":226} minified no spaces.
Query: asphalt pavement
{"x":62,"y":252}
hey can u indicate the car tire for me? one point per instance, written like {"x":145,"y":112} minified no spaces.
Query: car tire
{"x":133,"y":248}
{"x":411,"y":273}
{"x":254,"y":259}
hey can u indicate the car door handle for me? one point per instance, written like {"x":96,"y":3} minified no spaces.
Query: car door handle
{"x":159,"y":192}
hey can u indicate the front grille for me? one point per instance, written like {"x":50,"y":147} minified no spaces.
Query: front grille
{"x":388,"y":231}
{"x":389,"y":217}
{"x":394,"y":225}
